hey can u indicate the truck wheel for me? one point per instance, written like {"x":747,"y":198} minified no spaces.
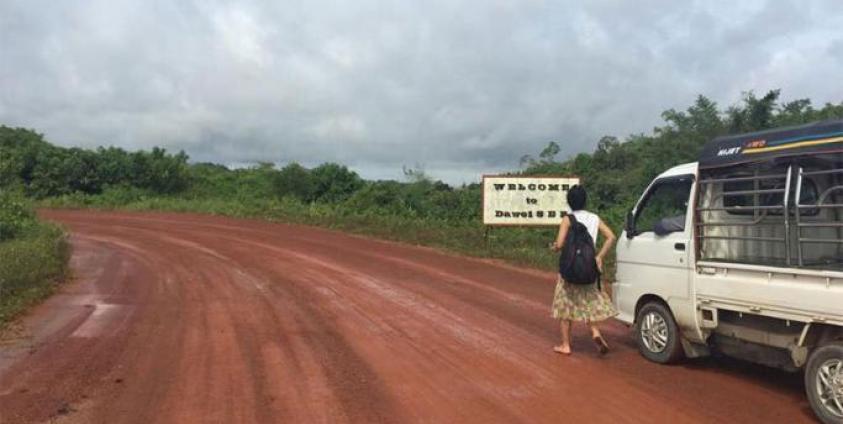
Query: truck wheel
{"x":657,"y":334}
{"x":824,"y":382}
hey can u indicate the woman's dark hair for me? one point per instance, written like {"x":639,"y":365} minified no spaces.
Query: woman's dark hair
{"x":577,"y":198}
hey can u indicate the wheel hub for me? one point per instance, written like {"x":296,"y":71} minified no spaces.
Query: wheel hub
{"x":830,"y":386}
{"x":654,"y":332}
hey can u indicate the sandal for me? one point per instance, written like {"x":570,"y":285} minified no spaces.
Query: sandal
{"x":602,"y":346}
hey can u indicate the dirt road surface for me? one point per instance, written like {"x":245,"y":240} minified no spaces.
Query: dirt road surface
{"x":178,"y":318}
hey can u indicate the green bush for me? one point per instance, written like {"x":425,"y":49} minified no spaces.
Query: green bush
{"x":334,"y":182}
{"x":294,"y":181}
{"x":33,"y":256}
{"x":31,"y":265}
{"x":15,"y":216}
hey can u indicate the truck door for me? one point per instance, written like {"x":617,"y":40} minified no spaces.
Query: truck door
{"x":654,"y":256}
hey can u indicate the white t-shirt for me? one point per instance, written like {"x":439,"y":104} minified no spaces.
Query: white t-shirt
{"x":590,"y":220}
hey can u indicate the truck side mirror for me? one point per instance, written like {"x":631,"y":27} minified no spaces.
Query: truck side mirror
{"x":629,"y":226}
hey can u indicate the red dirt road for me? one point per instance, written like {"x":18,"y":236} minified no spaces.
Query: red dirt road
{"x":194,"y":319}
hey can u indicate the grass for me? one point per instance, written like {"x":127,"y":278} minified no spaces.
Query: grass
{"x":519,"y":246}
{"x":31,"y":266}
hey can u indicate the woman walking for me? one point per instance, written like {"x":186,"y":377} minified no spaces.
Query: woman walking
{"x":576,"y":302}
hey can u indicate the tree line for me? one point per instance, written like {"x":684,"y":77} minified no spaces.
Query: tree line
{"x":32,"y":166}
{"x":614,"y":173}
{"x":41,"y":169}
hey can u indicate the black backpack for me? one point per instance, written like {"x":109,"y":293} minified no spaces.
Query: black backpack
{"x":578,"y":260}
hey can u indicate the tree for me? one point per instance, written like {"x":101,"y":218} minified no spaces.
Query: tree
{"x":334,"y":183}
{"x":756,"y":114}
{"x":294,"y":180}
{"x":549,"y":153}
{"x":9,"y":173}
{"x":113,"y":166}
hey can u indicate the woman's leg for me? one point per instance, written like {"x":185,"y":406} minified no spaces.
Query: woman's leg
{"x":595,"y":331}
{"x":602,"y":346}
{"x":565,"y":347}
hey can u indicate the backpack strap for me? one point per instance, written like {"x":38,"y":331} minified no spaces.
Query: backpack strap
{"x":572,"y":229}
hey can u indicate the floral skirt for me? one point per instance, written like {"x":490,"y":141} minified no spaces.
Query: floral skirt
{"x":581,"y":303}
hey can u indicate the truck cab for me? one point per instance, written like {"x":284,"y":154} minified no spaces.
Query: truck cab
{"x":742,"y":253}
{"x":655,"y":264}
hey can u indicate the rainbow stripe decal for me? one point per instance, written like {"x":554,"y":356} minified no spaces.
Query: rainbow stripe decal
{"x":760,"y":146}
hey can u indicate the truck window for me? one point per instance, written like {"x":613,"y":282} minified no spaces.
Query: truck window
{"x":665,"y":206}
{"x":809,"y":195}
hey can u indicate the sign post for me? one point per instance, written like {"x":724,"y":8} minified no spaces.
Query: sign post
{"x":525,"y":200}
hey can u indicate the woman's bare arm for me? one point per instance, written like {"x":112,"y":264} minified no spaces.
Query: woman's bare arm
{"x":609,"y":240}
{"x":563,"y":232}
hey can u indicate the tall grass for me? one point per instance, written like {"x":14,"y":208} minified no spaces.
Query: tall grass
{"x":31,"y":266}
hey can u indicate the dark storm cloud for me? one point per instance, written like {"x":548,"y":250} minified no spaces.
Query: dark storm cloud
{"x":461,"y":88}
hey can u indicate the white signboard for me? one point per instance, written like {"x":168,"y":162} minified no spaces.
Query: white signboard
{"x":525,"y":200}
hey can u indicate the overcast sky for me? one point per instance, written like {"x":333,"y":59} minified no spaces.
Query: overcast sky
{"x":461,"y":88}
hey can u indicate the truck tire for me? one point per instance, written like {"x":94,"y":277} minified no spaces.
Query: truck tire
{"x":657,"y":334}
{"x":824,"y":382}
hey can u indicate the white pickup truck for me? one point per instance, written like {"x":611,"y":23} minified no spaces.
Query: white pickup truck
{"x":742,"y":253}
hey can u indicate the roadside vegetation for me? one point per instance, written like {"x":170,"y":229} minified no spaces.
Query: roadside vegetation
{"x":33,"y":257}
{"x":418,"y":210}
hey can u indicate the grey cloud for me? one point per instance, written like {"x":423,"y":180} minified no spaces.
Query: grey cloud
{"x":463,"y":88}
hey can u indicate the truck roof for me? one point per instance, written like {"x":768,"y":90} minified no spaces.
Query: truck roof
{"x":808,"y":139}
{"x":684,"y":169}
